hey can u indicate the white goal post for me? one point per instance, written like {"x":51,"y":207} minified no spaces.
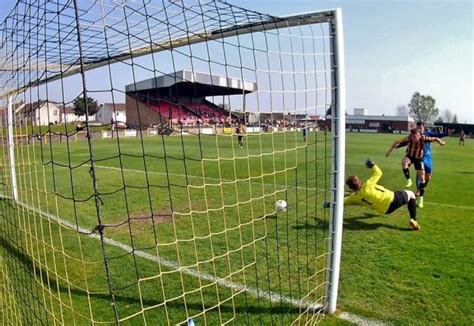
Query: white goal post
{"x":339,"y":148}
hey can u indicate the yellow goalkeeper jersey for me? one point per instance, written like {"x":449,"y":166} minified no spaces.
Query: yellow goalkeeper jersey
{"x":371,"y":194}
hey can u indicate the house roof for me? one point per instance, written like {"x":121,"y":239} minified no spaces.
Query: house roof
{"x":28,"y":108}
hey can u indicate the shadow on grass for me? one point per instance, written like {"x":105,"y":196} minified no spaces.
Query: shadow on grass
{"x":354,"y":223}
{"x":24,"y":263}
{"x":464,"y":172}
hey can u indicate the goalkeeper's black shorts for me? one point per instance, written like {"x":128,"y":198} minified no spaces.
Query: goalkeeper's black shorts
{"x":400,"y":198}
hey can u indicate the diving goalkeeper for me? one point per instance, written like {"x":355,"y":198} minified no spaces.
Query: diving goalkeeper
{"x":382,"y":200}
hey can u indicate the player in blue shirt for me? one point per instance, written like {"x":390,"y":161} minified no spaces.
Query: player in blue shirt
{"x":304,"y":130}
{"x":427,"y":160}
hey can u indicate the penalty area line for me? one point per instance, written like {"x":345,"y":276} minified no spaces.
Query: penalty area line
{"x":206,"y":178}
{"x":289,"y":186}
{"x":451,"y":206}
{"x":359,"y":320}
{"x":252,"y":182}
{"x":257,"y":293}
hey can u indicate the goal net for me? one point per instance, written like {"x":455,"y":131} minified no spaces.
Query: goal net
{"x":144,"y":146}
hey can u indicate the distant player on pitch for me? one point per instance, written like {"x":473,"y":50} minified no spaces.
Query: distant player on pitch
{"x":381,"y":199}
{"x":304,"y":131}
{"x":241,"y":132}
{"x":462,"y":136}
{"x":414,"y":155}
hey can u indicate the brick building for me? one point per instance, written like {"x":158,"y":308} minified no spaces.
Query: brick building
{"x":361,"y":122}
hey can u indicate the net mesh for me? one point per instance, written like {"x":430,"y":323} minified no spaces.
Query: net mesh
{"x":151,"y":140}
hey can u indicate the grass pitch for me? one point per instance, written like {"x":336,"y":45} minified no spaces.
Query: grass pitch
{"x":393,"y":274}
{"x":204,"y":203}
{"x":189,"y":229}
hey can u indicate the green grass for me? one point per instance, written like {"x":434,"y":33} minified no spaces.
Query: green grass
{"x":213,"y":211}
{"x":206,"y":204}
{"x":404,"y":277}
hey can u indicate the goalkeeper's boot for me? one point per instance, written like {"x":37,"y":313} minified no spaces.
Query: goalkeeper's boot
{"x":414,"y":225}
{"x":409,"y":183}
{"x":420,"y":202}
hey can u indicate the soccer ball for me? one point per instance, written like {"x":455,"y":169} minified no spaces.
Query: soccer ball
{"x":281,"y":205}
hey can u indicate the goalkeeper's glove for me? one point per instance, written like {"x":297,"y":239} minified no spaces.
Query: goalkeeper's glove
{"x":369,"y":163}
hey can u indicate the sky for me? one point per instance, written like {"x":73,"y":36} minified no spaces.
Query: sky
{"x":394,"y":48}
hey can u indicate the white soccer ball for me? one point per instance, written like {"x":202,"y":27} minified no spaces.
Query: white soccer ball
{"x":281,"y":205}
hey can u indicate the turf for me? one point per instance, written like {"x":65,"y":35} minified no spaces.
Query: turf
{"x":202,"y":202}
{"x":198,"y":202}
{"x":396,"y":275}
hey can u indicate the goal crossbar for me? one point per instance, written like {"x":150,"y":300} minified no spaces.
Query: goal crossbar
{"x":274,"y":23}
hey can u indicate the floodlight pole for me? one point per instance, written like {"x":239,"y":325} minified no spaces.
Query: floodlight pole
{"x":338,"y":125}
{"x":11,"y":148}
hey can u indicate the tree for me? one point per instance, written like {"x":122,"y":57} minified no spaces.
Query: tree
{"x":80,"y":107}
{"x":455,"y":119}
{"x":423,"y":108}
{"x":439,"y":120}
{"x":402,"y":110}
{"x":447,"y":115}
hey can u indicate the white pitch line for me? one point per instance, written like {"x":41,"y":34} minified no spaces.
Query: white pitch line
{"x":253,"y":182}
{"x":360,"y":321}
{"x":258,"y":293}
{"x":203,"y":178}
{"x":256,"y":183}
{"x":449,"y":205}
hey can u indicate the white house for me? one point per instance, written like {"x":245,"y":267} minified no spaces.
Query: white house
{"x":41,"y":113}
{"x":111,"y":112}
{"x":67,"y":115}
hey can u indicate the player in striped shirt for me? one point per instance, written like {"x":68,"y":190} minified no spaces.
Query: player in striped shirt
{"x":241,"y":132}
{"x":414,"y":155}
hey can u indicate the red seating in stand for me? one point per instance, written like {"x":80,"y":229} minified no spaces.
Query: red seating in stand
{"x":197,"y":112}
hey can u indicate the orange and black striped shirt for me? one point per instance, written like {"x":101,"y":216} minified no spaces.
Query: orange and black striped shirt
{"x":241,"y":130}
{"x":416,"y":149}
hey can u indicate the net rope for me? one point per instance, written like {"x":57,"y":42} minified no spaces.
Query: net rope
{"x":171,"y":219}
